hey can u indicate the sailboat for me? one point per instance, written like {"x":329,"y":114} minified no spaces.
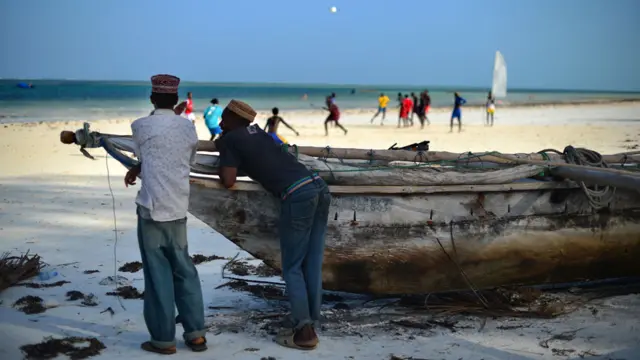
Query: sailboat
{"x":499,"y":86}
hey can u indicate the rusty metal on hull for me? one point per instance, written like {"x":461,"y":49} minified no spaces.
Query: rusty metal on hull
{"x":384,"y":244}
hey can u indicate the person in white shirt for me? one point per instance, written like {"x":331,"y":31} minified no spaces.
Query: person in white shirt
{"x":165,"y":144}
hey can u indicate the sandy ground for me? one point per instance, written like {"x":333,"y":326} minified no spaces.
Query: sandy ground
{"x":56,"y":203}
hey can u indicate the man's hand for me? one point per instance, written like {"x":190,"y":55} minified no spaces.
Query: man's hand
{"x":218,"y":142}
{"x":297,"y":133}
{"x":179,"y":109}
{"x":132,"y":175}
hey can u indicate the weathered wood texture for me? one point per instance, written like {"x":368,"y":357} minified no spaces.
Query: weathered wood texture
{"x":402,"y":190}
{"x":404,"y":155}
{"x":386,"y":244}
{"x":339,"y":174}
{"x":628,"y":181}
{"x":354,"y":173}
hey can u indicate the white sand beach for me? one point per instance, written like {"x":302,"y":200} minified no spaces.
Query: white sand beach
{"x":56,"y":203}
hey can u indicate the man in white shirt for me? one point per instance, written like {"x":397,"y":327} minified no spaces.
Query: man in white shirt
{"x":166,"y":147}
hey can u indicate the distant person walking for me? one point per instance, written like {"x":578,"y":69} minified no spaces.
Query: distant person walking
{"x":414,"y":111}
{"x":407,"y":106}
{"x":426,"y":99}
{"x":491,"y":108}
{"x":271,"y":127}
{"x":419,"y":109}
{"x":458,"y":101}
{"x":383,"y":101}
{"x":188,"y":110}
{"x":212,"y":116}
{"x":334,"y":116}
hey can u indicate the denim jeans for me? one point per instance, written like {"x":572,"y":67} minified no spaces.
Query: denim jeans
{"x":303,"y":225}
{"x":169,"y":277}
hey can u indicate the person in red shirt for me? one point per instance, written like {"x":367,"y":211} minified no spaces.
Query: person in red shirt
{"x":188,"y":108}
{"x":407,"y":107}
{"x":334,"y":116}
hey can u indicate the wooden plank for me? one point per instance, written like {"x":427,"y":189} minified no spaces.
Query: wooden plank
{"x":592,"y":176}
{"x":338,"y":189}
{"x":412,"y":156}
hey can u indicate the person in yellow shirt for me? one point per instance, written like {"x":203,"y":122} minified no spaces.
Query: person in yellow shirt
{"x":383,"y":101}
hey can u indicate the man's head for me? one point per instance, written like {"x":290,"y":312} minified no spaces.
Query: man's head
{"x":456,"y":94}
{"x":333,"y":95}
{"x":164,"y":91}
{"x":237,"y":114}
{"x":67,"y":137}
{"x":275,"y":111}
{"x":215,"y":101}
{"x":381,"y":94}
{"x":406,"y":96}
{"x":189,"y":95}
{"x":413,"y":94}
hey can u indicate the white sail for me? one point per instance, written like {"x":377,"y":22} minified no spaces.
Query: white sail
{"x":499,"y":87}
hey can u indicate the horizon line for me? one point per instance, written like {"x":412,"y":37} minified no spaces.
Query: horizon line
{"x":346,"y":85}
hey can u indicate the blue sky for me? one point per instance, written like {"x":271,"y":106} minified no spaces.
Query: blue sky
{"x":559,"y":44}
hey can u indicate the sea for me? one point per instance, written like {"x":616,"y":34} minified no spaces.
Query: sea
{"x":70,"y":100}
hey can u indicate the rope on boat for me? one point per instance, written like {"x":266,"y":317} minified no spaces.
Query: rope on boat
{"x":598,"y":197}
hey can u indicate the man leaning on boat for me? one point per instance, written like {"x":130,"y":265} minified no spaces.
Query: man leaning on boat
{"x":304,"y":214}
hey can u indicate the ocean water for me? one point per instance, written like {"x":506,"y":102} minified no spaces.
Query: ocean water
{"x":65,"y":100}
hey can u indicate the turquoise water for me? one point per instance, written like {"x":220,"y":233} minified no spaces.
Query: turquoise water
{"x":61,"y":100}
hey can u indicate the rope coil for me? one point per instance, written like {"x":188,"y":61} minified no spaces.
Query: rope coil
{"x":598,"y":197}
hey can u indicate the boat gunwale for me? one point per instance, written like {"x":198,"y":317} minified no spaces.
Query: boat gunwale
{"x":214,"y":183}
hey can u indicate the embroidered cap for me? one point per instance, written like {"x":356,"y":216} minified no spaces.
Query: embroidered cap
{"x":242,"y":109}
{"x":165,"y":84}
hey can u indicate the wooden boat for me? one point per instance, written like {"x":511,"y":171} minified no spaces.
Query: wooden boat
{"x":421,"y":229}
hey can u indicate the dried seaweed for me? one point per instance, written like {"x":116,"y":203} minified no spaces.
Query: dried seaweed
{"x":14,"y":269}
{"x":43,"y":285}
{"x":127,"y":292}
{"x":50,"y":348}
{"x":30,"y":305}
{"x":131,"y":267}
{"x":522,"y":302}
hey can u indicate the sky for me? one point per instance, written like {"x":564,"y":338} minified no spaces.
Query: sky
{"x":547,"y":44}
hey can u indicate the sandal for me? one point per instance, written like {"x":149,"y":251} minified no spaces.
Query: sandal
{"x":285,"y":338}
{"x":197,"y":345}
{"x":148,"y":346}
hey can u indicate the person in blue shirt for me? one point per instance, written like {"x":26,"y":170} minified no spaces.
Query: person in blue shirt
{"x":457,"y":111}
{"x":212,"y":116}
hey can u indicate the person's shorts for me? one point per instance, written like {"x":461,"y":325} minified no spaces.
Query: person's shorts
{"x":278,"y":139}
{"x":215,"y":130}
{"x":382,"y":110}
{"x":456,"y":113}
{"x":190,"y":116}
{"x":491,"y":109}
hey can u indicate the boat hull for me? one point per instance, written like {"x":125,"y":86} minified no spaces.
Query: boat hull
{"x":424,"y":242}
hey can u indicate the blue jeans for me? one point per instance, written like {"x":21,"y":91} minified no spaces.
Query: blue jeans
{"x":303,"y":226}
{"x":169,"y":277}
